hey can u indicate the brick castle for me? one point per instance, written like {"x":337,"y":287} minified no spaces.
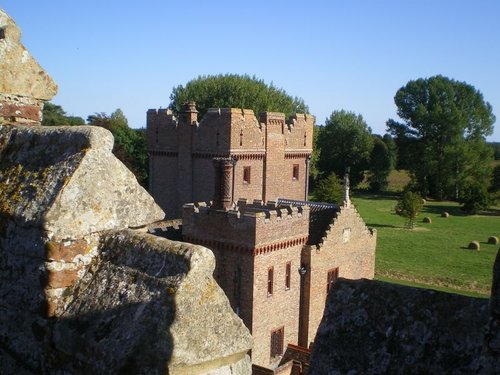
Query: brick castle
{"x":241,"y":186}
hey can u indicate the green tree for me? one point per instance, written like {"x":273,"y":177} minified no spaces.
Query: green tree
{"x":54,"y":115}
{"x":409,"y":206}
{"x":474,"y":198}
{"x":130,"y":144}
{"x":495,"y":184}
{"x":235,"y":91}
{"x":381,"y":164}
{"x":329,"y":189}
{"x":313,"y":166}
{"x":345,"y":142}
{"x":443,"y":135}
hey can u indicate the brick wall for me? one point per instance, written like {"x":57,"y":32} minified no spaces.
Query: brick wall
{"x":349,"y":245}
{"x":281,"y":309}
{"x":246,"y":243}
{"x":270,"y":146}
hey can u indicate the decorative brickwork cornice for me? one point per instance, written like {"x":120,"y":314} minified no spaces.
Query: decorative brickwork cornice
{"x":169,"y":154}
{"x":248,"y":156}
{"x":241,"y":156}
{"x":297,"y":155}
{"x":253,"y":250}
{"x":210,"y":155}
{"x":264,"y":249}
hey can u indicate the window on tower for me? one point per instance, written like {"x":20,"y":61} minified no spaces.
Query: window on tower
{"x":332,"y":277}
{"x":270,"y":281}
{"x":246,"y":175}
{"x":295,"y":172}
{"x":288,"y":274}
{"x":277,"y":341}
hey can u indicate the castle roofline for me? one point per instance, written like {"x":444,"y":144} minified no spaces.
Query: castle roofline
{"x":265,"y":114}
{"x":270,"y":211}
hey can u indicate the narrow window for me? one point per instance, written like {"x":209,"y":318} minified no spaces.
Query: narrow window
{"x":270,"y":281}
{"x":217,"y":135}
{"x":241,"y":137}
{"x":277,"y":341}
{"x":237,"y":288}
{"x":332,"y":277}
{"x":288,"y":273}
{"x":295,"y":174}
{"x":2,"y":33}
{"x":246,"y":175}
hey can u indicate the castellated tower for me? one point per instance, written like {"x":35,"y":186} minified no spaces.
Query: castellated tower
{"x":258,"y":251}
{"x":270,"y":155}
{"x":277,"y":255}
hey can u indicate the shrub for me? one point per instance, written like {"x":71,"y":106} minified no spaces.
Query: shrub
{"x":409,"y":206}
{"x":427,"y":220}
{"x":329,"y":189}
{"x":493,"y":240}
{"x":474,"y":245}
{"x":445,"y":214}
{"x":474,"y":198}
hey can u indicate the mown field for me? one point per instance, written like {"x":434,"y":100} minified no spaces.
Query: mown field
{"x":433,"y":254}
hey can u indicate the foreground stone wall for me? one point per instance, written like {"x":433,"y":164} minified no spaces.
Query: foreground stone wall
{"x":80,"y":290}
{"x":24,"y":85}
{"x":378,"y":328}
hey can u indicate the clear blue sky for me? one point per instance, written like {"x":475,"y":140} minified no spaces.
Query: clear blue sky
{"x":335,"y":54}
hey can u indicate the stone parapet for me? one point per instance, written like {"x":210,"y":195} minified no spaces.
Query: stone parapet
{"x":72,"y":282}
{"x":373,"y":327}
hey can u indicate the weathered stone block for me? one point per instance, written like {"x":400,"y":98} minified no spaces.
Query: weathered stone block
{"x":56,"y":188}
{"x":21,"y":74}
{"x":61,"y":251}
{"x":151,"y":305}
{"x":61,"y":278}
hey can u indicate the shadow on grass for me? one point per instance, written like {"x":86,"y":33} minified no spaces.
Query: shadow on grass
{"x":382,"y":195}
{"x":439,"y":209}
{"x":373,"y":225}
{"x":471,"y":250}
{"x":490,"y":212}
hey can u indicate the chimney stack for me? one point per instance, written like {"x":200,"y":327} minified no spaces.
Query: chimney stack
{"x":222,"y":183}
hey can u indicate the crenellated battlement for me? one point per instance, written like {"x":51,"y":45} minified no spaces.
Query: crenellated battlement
{"x":250,"y":224}
{"x":244,"y":210}
{"x":229,"y":129}
{"x":271,"y":155}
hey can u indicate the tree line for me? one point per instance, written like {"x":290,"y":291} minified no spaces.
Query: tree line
{"x":440,"y":137}
{"x":129,"y":146}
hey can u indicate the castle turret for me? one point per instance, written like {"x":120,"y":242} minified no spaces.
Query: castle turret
{"x":188,"y":113}
{"x":222,"y":183}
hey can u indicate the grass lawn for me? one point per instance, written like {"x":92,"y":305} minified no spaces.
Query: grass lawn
{"x":434,"y":254}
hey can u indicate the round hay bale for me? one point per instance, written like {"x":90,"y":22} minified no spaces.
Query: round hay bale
{"x":493,"y":240}
{"x":474,"y":245}
{"x":427,"y":220}
{"x":445,"y":214}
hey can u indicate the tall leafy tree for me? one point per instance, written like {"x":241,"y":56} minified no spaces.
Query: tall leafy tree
{"x":345,"y":142}
{"x":381,"y":164}
{"x":442,"y":136}
{"x":235,"y":91}
{"x":314,"y":173}
{"x":130,"y":144}
{"x":54,"y":115}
